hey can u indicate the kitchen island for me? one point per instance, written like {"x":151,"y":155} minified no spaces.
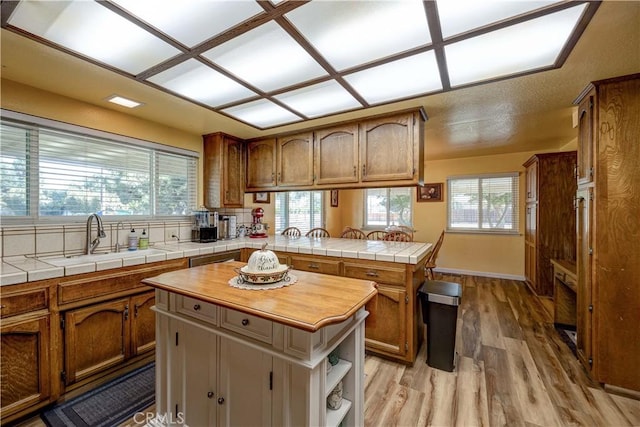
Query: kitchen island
{"x":230,"y":356}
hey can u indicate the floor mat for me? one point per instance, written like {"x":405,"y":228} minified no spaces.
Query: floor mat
{"x":109,"y":404}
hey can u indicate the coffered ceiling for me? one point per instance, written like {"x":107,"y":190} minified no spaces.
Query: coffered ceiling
{"x":493,"y":76}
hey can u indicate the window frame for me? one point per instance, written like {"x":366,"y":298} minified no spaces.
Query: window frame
{"x":365,"y":211}
{"x":286,"y":221}
{"x":515,"y":205}
{"x":36,"y":124}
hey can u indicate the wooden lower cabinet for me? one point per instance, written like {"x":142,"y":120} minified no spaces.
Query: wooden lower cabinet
{"x":107,"y":334}
{"x":385,"y":328}
{"x":25,"y":368}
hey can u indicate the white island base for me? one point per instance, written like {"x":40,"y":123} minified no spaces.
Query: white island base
{"x":220,"y":366}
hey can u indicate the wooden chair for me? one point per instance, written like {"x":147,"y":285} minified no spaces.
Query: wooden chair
{"x":318,"y":232}
{"x":291,"y":232}
{"x":376,"y":235}
{"x":430,"y":264}
{"x":353,"y":233}
{"x":397,"y":236}
{"x":408,"y":230}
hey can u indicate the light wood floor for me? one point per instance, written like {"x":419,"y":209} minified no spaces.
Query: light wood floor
{"x":513,"y":370}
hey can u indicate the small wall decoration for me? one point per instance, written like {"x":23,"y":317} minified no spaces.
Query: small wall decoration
{"x":430,"y":192}
{"x":334,"y":198}
{"x":261,"y":197}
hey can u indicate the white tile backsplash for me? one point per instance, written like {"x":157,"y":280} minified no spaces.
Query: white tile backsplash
{"x":71,"y":239}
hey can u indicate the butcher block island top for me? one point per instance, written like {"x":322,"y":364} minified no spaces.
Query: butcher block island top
{"x":311,"y":303}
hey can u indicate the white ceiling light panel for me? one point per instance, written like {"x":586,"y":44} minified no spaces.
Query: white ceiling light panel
{"x":205,"y":18}
{"x":196,"y":81}
{"x":94,"y":31}
{"x":522,"y":47}
{"x":320,"y":99}
{"x":267,"y":58}
{"x":351,"y":33}
{"x":404,"y":78}
{"x":262,"y":113}
{"x":461,"y":16}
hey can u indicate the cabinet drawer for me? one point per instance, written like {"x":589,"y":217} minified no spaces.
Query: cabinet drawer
{"x":197,"y":309}
{"x":379,"y":274}
{"x":246,"y":324}
{"x":24,"y":302}
{"x":316,"y":265}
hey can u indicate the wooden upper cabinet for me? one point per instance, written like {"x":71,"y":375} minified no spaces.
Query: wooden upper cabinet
{"x":336,"y":155}
{"x":388,"y":148}
{"x":223,"y":171}
{"x":295,"y":160}
{"x":261,"y":164}
{"x":586,"y":143}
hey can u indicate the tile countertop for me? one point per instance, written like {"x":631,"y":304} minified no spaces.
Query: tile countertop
{"x":20,"y":269}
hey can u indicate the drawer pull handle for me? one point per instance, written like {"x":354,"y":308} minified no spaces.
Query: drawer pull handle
{"x":196,"y":307}
{"x":372,"y":273}
{"x":210,"y":395}
{"x":220,"y":400}
{"x":245,"y":322}
{"x":316,"y":266}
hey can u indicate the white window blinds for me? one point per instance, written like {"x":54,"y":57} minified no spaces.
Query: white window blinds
{"x":302,"y":209}
{"x":47,"y":172}
{"x":487,"y":203}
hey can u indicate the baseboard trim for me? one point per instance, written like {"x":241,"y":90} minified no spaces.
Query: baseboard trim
{"x":480,"y":273}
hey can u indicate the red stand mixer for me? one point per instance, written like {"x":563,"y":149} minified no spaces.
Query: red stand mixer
{"x":258,"y":228}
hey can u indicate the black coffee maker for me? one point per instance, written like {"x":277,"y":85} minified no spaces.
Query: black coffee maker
{"x":205,"y":226}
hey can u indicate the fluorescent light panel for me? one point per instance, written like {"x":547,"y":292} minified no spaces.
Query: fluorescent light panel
{"x":320,"y":99}
{"x":516,"y":49}
{"x":262,"y":113}
{"x":94,"y":31}
{"x":355,"y":32}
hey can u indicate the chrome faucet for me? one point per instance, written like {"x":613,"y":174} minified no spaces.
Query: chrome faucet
{"x":118,"y":226}
{"x":92,"y":245}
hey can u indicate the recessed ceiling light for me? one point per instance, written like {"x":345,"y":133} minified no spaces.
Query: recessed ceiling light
{"x":123,"y":101}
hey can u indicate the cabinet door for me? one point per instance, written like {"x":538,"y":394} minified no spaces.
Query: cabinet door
{"x":531,"y":223}
{"x":530,"y":264}
{"x":586,"y":135}
{"x":95,"y":338}
{"x":143,"y":323}
{"x":295,"y":160}
{"x":233,"y":173}
{"x":336,"y":155}
{"x":386,"y":325}
{"x":197,"y":360}
{"x":584,"y":307}
{"x":244,"y":379}
{"x":25,"y":368}
{"x":381,"y":160}
{"x":261,"y":164}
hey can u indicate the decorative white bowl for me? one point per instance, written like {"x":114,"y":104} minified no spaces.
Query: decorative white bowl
{"x":263,"y":267}
{"x":271,"y":276}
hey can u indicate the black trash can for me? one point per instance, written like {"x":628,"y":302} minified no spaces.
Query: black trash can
{"x":440,"y":301}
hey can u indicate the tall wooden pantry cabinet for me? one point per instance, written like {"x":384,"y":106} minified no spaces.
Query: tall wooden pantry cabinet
{"x":549,"y":217}
{"x":608,"y":231}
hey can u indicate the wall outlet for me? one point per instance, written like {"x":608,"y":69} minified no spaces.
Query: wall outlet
{"x":171,"y":234}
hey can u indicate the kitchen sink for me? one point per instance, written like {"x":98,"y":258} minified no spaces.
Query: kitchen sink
{"x":104,"y":256}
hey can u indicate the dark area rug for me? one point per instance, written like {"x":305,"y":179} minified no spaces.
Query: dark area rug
{"x":108,"y":405}
{"x":568,"y":336}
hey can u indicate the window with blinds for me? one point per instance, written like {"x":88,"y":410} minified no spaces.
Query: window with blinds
{"x":385,"y":207}
{"x":47,"y":172}
{"x":483,"y":203}
{"x":302,"y":209}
